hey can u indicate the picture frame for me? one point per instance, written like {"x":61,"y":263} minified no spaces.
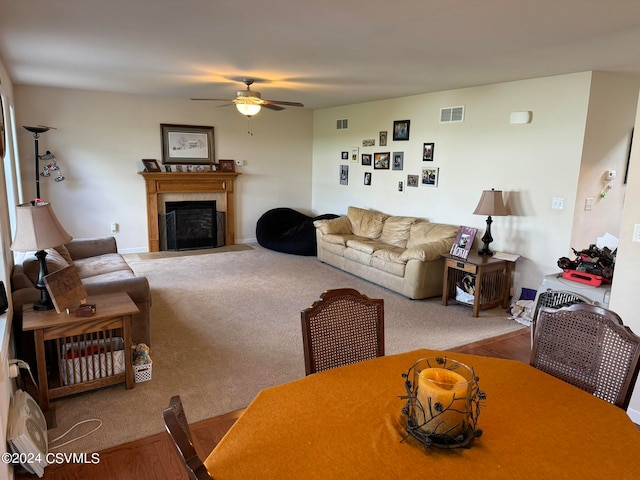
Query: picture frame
{"x":369,"y":142}
{"x":366,"y":159}
{"x":227,"y":165}
{"x":354,"y":154}
{"x":382,"y":141}
{"x":187,"y":144}
{"x":430,"y":177}
{"x":427,"y":152}
{"x":413,"y":180}
{"x":367,"y":178}
{"x":151,"y":165}
{"x":344,"y":174}
{"x":381,"y":160}
{"x":397,"y":161}
{"x":401,"y":130}
{"x":463,"y":242}
{"x":344,"y":155}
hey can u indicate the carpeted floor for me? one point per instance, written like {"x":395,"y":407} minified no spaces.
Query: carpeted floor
{"x":227,"y":324}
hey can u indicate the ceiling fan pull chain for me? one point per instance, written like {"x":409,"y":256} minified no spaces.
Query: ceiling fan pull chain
{"x":250,"y":129}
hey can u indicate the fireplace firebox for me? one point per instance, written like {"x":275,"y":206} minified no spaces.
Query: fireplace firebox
{"x":190,"y":225}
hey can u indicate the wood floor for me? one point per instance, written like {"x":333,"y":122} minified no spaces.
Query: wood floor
{"x":153,"y":458}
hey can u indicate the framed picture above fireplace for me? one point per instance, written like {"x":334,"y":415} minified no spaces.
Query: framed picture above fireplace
{"x":187,"y":144}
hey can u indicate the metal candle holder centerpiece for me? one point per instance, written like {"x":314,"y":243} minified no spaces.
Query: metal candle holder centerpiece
{"x":443,"y":403}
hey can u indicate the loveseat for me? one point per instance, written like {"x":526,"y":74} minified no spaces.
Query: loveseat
{"x":403,"y":254}
{"x":101,"y":269}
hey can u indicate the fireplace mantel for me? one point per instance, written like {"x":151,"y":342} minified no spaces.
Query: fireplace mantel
{"x":158,"y":183}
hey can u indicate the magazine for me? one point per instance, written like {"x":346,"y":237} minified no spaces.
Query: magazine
{"x":463,"y":242}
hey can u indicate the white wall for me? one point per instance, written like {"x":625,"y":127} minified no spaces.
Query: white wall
{"x":626,"y":282}
{"x":100,"y":139}
{"x":530,"y":163}
{"x":612,"y":108}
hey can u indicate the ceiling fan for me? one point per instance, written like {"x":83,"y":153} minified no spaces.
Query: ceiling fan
{"x":249,"y":102}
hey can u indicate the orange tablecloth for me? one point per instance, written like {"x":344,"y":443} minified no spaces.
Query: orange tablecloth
{"x":347,"y":424}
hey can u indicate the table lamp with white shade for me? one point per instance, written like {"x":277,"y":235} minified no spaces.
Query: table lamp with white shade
{"x":38,"y":229}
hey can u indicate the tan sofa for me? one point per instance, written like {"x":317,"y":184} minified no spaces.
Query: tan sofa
{"x":101,"y":269}
{"x":402,"y":254}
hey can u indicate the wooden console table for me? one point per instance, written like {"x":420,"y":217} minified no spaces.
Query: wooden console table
{"x":158,"y":183}
{"x":67,"y":332}
{"x":492,"y":280}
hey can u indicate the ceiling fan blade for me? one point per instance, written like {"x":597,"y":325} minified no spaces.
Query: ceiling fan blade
{"x":212,"y":99}
{"x":282,"y":102}
{"x":271,"y":106}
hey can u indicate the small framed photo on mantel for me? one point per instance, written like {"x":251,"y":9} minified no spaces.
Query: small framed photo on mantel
{"x":151,"y":165}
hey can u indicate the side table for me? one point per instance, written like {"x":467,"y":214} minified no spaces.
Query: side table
{"x":492,"y":275}
{"x":89,"y":352}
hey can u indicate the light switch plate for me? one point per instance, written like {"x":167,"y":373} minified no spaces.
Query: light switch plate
{"x":636,"y":233}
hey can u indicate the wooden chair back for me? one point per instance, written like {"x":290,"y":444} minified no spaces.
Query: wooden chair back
{"x":342,"y":327}
{"x":589,"y":347}
{"x":175,"y":421}
{"x":555,"y":299}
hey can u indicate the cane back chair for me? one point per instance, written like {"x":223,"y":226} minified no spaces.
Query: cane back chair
{"x":588,"y":347}
{"x":342,"y":327}
{"x":175,"y":421}
{"x":555,"y":299}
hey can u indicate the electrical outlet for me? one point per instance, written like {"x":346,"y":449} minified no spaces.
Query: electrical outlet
{"x":114,"y":227}
{"x":636,"y":233}
{"x":557,"y":203}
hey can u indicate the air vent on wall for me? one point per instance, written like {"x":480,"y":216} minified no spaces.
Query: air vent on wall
{"x":452,"y":114}
{"x":342,"y":124}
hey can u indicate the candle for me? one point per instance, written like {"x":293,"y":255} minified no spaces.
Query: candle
{"x":444,"y":396}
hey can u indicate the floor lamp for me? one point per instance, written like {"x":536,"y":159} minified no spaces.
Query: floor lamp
{"x":37,"y":229}
{"x":36,"y":131}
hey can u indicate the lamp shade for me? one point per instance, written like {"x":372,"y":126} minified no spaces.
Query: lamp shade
{"x":491,"y":204}
{"x":248,"y":109}
{"x":38,"y":228}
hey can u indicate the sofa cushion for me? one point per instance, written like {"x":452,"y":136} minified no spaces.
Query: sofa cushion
{"x":391,"y":267}
{"x":424,"y":232}
{"x":101,"y":264}
{"x":366,"y":223}
{"x":357,"y":256}
{"x":339,"y":239}
{"x":55,"y":262}
{"x":365,"y":245}
{"x":395,"y":230}
{"x":390,"y":254}
{"x":340,"y":225}
{"x":64,"y":252}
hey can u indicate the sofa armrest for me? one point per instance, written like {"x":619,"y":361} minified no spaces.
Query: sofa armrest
{"x":91,"y":247}
{"x":340,"y":226}
{"x":428,"y":252}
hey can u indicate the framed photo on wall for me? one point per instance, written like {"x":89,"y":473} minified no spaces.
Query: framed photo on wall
{"x":366,"y":159}
{"x":401,"y":130}
{"x":430,"y":177}
{"x":187,"y":144}
{"x":381,"y":160}
{"x":427,"y":152}
{"x":397,"y":160}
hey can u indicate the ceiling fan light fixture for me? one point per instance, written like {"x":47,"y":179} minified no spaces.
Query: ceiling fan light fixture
{"x":248,"y":109}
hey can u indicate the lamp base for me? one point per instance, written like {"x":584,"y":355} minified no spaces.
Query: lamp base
{"x":43,"y":305}
{"x":485,"y":251}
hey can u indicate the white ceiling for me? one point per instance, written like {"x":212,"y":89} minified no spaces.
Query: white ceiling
{"x":323,"y":53}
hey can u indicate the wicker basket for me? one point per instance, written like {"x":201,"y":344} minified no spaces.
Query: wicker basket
{"x":142,"y":373}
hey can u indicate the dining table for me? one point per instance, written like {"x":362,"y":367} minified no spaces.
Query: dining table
{"x":348,"y":423}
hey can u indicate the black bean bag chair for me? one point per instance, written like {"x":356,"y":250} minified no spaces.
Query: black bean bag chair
{"x":288,"y":231}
